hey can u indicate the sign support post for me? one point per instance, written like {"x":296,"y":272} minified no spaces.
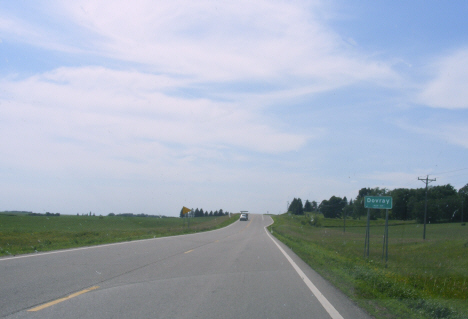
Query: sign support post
{"x":385,"y":240}
{"x":377,"y":202}
{"x":366,"y":241}
{"x":185,"y":212}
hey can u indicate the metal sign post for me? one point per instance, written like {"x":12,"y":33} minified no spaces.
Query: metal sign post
{"x":377,"y":202}
{"x":385,"y":240}
{"x":366,"y":241}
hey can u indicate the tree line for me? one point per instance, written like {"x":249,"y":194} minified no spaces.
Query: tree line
{"x":444,"y":204}
{"x":46,"y":214}
{"x":201,"y":213}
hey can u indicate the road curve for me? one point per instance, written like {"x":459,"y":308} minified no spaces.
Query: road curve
{"x":234,"y":272}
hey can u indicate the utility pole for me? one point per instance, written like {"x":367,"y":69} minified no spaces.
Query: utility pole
{"x":427,"y":181}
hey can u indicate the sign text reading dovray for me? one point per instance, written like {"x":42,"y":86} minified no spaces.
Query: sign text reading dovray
{"x":378,"y":202}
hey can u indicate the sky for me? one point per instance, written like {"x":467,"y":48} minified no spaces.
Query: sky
{"x":146,"y":106}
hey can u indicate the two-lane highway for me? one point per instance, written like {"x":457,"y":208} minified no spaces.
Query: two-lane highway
{"x":235,"y":272}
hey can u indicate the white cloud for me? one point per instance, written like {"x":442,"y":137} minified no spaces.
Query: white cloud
{"x":449,"y":88}
{"x":18,"y":29}
{"x":275,"y":42}
{"x":159,"y":118}
{"x":105,"y":114}
{"x":454,"y":132}
{"x":392,"y":180}
{"x":211,"y":40}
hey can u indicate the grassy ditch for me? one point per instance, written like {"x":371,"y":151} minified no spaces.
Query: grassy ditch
{"x":424,"y":278}
{"x":22,"y":234}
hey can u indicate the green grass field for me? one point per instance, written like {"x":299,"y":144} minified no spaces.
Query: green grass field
{"x":21,"y":234}
{"x":424,"y":278}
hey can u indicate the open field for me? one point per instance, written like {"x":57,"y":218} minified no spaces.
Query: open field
{"x":21,"y":234}
{"x":424,"y":279}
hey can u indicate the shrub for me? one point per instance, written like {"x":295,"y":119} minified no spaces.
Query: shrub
{"x":316,"y":221}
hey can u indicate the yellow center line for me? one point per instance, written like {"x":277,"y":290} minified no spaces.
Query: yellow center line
{"x":188,"y":251}
{"x":63,"y":299}
{"x":247,"y":225}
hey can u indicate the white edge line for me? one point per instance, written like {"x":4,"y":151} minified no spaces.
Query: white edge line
{"x":105,"y":245}
{"x":320,"y":297}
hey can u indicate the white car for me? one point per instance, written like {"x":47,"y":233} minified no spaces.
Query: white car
{"x":243,"y":217}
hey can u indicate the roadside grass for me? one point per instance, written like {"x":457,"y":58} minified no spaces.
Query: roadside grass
{"x":424,"y":278}
{"x":22,"y":234}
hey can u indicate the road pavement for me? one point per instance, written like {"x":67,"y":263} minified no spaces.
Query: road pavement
{"x":236,"y":272}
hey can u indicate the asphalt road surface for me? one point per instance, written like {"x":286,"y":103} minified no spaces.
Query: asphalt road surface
{"x":235,"y":272}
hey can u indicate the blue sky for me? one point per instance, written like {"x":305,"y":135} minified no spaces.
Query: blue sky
{"x":144,"y":107}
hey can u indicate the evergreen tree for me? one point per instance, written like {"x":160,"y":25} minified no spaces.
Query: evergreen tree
{"x":296,"y":207}
{"x":314,"y":206}
{"x":307,"y":206}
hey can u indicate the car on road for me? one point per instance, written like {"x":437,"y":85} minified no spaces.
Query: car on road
{"x":243,"y":217}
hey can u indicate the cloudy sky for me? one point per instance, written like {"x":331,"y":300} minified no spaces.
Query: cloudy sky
{"x":144,"y":106}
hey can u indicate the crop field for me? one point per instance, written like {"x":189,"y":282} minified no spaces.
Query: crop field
{"x":423,"y":278}
{"x":21,"y":233}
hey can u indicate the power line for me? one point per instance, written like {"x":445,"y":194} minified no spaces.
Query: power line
{"x":456,"y":175}
{"x":457,"y":170}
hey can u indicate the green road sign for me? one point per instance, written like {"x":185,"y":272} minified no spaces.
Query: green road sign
{"x":378,"y":202}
